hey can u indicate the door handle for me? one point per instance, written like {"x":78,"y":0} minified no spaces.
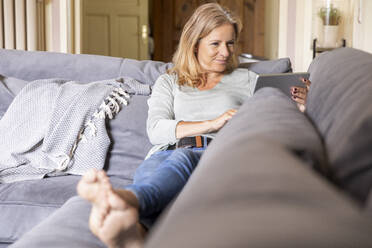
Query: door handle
{"x":144,"y":34}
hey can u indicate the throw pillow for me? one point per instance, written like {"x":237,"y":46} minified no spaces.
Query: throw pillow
{"x":9,"y":88}
{"x":269,"y":66}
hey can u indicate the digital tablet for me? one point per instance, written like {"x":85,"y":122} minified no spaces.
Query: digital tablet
{"x":281,"y":81}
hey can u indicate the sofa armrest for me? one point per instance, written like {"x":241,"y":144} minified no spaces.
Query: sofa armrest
{"x":263,"y":201}
{"x":255,"y":187}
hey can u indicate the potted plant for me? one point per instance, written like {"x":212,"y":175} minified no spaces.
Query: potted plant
{"x":331,"y":18}
{"x":330,"y":15}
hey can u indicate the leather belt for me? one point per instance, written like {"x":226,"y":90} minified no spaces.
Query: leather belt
{"x":190,"y":142}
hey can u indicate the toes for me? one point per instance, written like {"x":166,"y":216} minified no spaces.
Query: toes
{"x":83,"y":187}
{"x":91,"y":176}
{"x":94,"y":187}
{"x":102,"y":176}
{"x":104,"y":180}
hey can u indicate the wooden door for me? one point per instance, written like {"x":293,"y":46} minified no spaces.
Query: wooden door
{"x":171,"y":15}
{"x":115,"y":28}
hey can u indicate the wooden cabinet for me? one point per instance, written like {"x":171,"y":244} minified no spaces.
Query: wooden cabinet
{"x":169,"y":17}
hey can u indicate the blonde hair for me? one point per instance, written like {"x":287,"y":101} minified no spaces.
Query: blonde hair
{"x":205,"y":18}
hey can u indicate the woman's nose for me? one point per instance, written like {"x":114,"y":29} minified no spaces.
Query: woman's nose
{"x":224,"y":50}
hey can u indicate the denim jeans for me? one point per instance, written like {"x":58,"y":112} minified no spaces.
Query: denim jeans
{"x":159,"y":179}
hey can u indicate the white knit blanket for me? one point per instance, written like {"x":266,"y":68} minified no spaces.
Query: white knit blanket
{"x":57,"y":127}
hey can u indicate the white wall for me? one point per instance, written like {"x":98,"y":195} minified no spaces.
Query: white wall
{"x":52,"y":25}
{"x":287,"y":31}
{"x":303,"y":42}
{"x":362,"y":28}
{"x":290,"y":28}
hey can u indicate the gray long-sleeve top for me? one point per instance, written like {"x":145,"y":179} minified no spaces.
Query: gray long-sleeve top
{"x":170,"y":103}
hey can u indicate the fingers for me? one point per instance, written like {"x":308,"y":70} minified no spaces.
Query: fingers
{"x":306,"y":82}
{"x":295,"y":89}
{"x":229,"y":113}
{"x":220,"y":121}
{"x":299,"y":95}
{"x":298,"y":100}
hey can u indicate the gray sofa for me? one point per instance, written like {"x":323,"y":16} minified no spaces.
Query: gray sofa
{"x":273,"y":177}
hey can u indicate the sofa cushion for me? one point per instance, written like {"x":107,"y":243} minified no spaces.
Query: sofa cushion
{"x":129,"y":141}
{"x":24,"y":204}
{"x":339,"y":103}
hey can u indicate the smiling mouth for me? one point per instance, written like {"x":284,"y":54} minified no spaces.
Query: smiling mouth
{"x":221,"y":61}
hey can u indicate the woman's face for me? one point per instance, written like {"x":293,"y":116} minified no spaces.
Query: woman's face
{"x":215,"y":50}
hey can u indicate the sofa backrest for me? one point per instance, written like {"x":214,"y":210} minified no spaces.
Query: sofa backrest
{"x":282,"y":65}
{"x":340,"y":105}
{"x":30,"y":66}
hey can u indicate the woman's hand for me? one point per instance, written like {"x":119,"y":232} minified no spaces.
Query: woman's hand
{"x":192,"y":128}
{"x":220,"y":121}
{"x":299,"y":94}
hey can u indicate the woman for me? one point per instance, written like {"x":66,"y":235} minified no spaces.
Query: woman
{"x":188,"y":105}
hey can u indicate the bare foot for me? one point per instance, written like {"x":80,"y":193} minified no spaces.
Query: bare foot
{"x":114,"y":215}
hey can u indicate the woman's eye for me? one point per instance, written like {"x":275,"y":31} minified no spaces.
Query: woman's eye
{"x":231,"y":43}
{"x":215,"y":44}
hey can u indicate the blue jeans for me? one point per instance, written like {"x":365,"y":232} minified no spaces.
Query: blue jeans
{"x":159,"y":179}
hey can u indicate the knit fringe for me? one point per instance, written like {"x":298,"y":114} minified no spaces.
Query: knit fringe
{"x":109,"y":108}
